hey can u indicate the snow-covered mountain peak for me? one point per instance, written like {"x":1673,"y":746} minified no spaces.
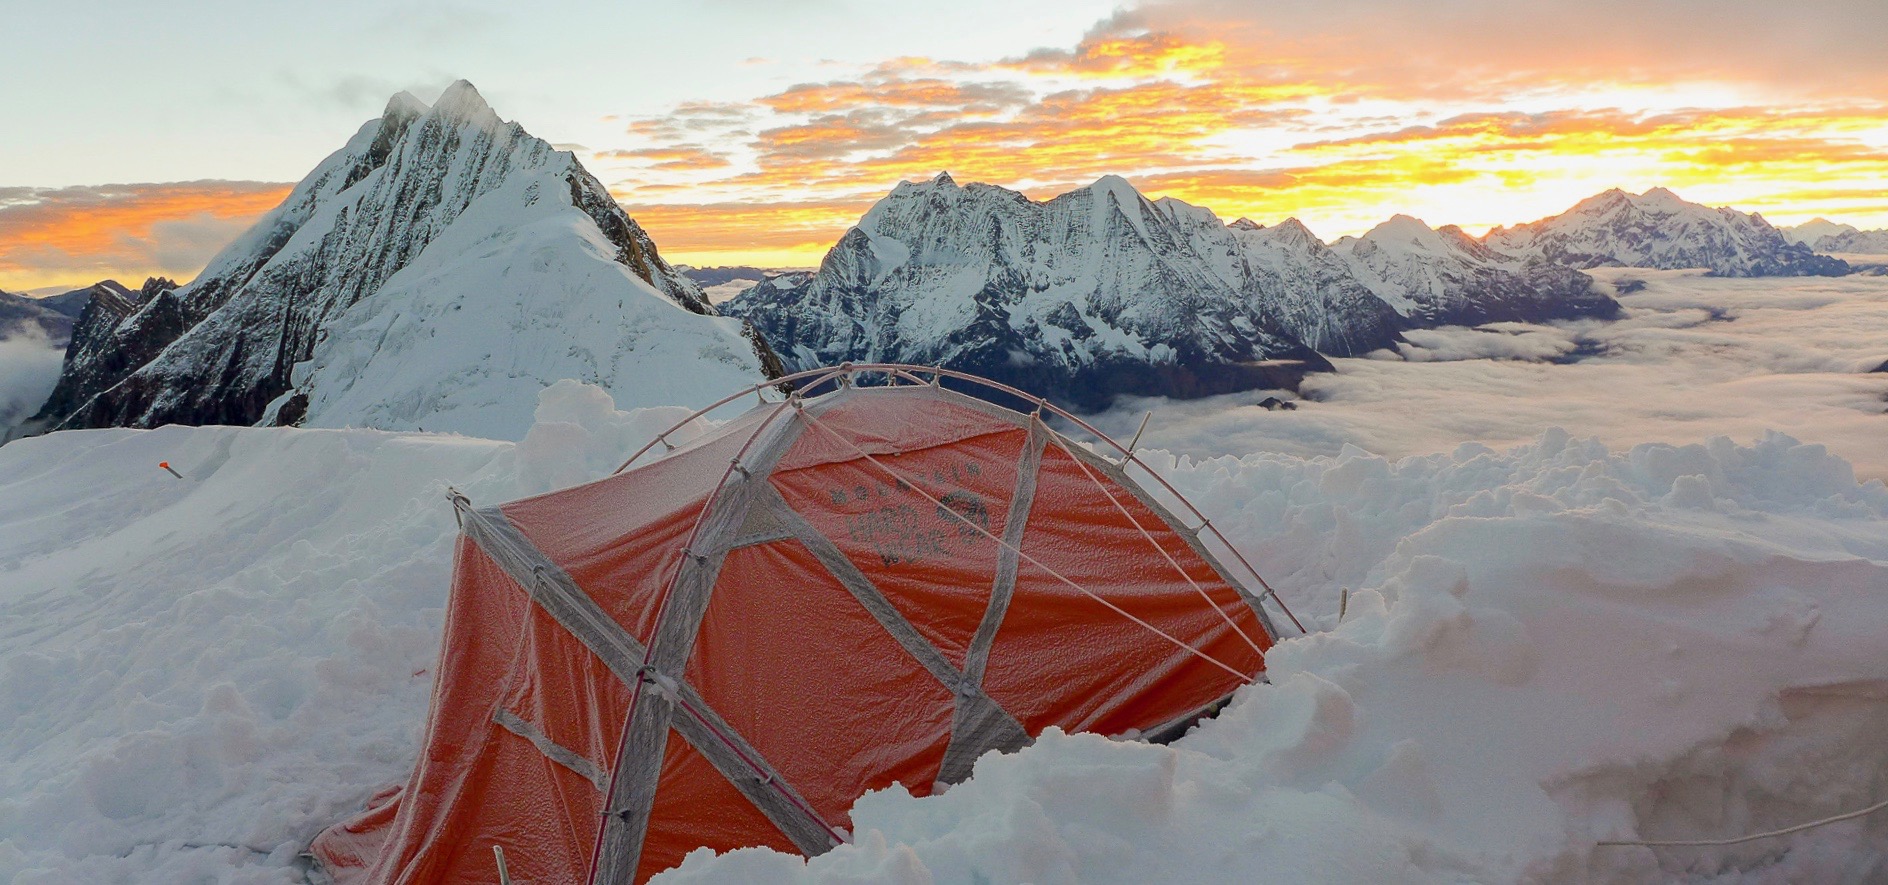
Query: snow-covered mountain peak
{"x":939,"y":183}
{"x":1290,"y":233}
{"x":1443,"y":276}
{"x":404,"y":104}
{"x":1091,"y":293}
{"x":1659,"y":229}
{"x":1609,"y":200}
{"x":1185,"y":213}
{"x":1660,"y":198}
{"x":461,"y":103}
{"x":1118,"y":188}
{"x":1811,"y":232}
{"x":433,"y":273}
{"x":1404,"y":232}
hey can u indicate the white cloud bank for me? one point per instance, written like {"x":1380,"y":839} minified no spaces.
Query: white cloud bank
{"x":29,"y":367}
{"x":1695,"y":358}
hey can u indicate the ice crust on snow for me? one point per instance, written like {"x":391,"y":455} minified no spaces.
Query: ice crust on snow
{"x":1545,"y":646}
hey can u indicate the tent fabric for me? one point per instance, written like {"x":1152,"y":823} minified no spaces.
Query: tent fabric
{"x":728,"y":646}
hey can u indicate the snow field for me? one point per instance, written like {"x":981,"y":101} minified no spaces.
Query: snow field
{"x":198,"y":675}
{"x":1545,"y":647}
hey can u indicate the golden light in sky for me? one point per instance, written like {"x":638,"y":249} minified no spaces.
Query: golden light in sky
{"x":1243,"y":134}
{"x":1224,"y":110}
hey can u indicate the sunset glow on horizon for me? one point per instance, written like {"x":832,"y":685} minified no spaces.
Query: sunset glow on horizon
{"x":1265,"y":118}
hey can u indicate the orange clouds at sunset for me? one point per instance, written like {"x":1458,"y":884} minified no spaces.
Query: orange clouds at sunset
{"x":1243,"y":133}
{"x":1428,"y":112}
{"x":75,"y":236}
{"x":1247,"y":120}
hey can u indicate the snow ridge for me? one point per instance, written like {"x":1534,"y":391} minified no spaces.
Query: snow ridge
{"x":1445,"y":277}
{"x":1100,"y":291}
{"x":1824,"y":235}
{"x":440,"y":259}
{"x":1092,"y":293}
{"x":1657,"y":229}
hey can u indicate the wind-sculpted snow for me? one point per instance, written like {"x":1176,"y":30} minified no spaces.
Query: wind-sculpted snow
{"x":1444,"y":277}
{"x":1544,"y":647}
{"x":1656,"y":229}
{"x":1093,"y":293}
{"x":456,"y":211}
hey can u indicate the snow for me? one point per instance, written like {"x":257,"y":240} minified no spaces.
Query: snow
{"x":518,"y":291}
{"x":1546,"y":647}
{"x":1809,"y":232}
{"x":1089,"y":280}
{"x":1547,"y":644}
{"x":1658,"y":229}
{"x":434,"y":273}
{"x":198,"y":675}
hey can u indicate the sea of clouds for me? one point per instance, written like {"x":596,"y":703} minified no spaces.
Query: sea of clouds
{"x":1694,"y":357}
{"x":29,"y":367}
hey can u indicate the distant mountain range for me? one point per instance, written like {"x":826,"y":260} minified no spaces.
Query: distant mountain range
{"x":20,"y":315}
{"x":1076,"y":298}
{"x":1100,"y":292}
{"x":1824,"y":235}
{"x":1657,"y":229}
{"x":444,"y":265}
{"x":435,"y":272}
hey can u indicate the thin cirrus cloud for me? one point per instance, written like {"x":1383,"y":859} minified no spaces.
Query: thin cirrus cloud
{"x":75,"y":236}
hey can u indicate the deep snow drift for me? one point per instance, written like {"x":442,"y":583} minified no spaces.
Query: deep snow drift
{"x":1545,"y":647}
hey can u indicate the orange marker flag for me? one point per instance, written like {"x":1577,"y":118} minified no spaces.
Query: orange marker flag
{"x":166,"y":466}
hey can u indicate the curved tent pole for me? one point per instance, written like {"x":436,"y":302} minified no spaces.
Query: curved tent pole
{"x":734,"y":465}
{"x":663,"y":437}
{"x":911,"y":373}
{"x":943,"y":508}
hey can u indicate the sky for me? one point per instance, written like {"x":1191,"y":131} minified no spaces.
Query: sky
{"x":141,"y":137}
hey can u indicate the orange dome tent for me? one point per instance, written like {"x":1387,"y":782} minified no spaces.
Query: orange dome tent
{"x":728,"y":645}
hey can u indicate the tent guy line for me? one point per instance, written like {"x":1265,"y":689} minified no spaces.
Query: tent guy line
{"x":1064,"y":446}
{"x":943,"y":509}
{"x":842,"y":374}
{"x":780,"y":620}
